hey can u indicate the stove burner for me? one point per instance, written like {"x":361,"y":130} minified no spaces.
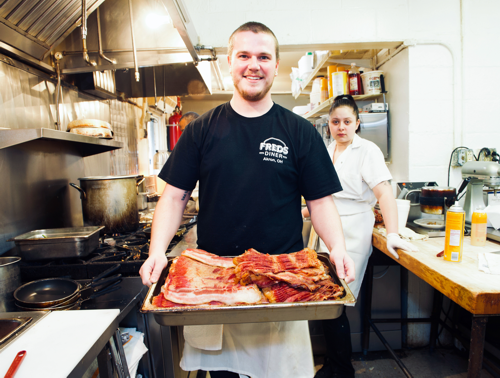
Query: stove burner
{"x":130,"y":250}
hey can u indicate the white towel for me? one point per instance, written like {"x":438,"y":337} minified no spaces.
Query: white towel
{"x":493,"y":212}
{"x":205,"y":337}
{"x":488,"y":262}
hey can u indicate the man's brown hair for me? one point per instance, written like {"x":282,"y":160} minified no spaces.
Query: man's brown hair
{"x":255,"y":27}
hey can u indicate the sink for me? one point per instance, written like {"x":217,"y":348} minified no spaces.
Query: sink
{"x":13,"y":324}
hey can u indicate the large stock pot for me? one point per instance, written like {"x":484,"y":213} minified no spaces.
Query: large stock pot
{"x":110,"y":201}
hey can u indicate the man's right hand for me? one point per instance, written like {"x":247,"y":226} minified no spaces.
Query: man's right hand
{"x":151,"y":269}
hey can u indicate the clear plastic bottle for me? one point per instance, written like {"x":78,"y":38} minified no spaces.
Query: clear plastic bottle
{"x":478,"y":227}
{"x":454,"y":239}
{"x":157,"y":160}
{"x":355,"y":87}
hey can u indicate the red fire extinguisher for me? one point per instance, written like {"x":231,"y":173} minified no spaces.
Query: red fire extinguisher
{"x":174,"y":131}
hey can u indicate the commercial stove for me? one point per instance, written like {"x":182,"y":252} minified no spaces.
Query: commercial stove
{"x":129,"y":250}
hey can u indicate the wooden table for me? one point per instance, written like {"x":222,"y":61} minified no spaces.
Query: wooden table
{"x":463,"y":283}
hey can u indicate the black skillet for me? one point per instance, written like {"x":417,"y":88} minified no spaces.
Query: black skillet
{"x":76,"y":302}
{"x":53,"y":291}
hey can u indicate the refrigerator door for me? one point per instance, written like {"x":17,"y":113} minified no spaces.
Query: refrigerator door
{"x":375,"y":128}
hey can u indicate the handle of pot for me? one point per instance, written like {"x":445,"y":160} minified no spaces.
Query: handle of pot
{"x":141,"y":180}
{"x":412,"y":191}
{"x":82,"y":192}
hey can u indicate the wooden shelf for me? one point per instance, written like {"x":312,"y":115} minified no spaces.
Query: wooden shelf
{"x":323,"y":108}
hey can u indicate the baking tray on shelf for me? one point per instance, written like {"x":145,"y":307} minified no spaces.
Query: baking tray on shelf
{"x":58,"y":243}
{"x":251,"y":313}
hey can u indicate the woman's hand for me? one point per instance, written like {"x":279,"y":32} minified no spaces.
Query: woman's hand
{"x":394,"y":241}
{"x":151,"y":269}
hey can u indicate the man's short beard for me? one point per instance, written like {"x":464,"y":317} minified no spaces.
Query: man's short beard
{"x":255,"y":97}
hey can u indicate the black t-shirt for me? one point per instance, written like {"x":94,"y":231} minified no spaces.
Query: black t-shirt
{"x":252,"y":172}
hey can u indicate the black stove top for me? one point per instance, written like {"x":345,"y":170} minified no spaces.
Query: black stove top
{"x":129,"y":250}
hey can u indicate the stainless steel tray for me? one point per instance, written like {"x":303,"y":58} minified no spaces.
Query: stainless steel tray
{"x":58,"y":243}
{"x":255,"y":313}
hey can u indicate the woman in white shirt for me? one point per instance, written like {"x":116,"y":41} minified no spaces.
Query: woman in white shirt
{"x":364,"y":176}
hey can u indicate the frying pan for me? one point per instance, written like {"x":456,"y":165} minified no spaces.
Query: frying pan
{"x":76,"y":302}
{"x":53,"y":291}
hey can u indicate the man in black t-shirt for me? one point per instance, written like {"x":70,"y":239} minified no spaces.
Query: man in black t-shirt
{"x":253,"y":159}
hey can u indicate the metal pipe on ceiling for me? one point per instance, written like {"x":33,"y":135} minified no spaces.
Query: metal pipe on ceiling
{"x":84,"y":35}
{"x":136,"y":66}
{"x":99,"y":40}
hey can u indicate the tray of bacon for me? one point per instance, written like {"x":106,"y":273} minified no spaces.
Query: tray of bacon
{"x":199,"y":288}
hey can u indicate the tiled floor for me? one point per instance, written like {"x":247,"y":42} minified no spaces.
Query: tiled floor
{"x":421,"y":363}
{"x":443,"y":363}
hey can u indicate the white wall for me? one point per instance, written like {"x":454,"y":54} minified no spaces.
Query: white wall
{"x":454,"y":42}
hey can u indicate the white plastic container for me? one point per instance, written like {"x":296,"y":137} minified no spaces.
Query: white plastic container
{"x":371,"y":82}
{"x":403,"y":211}
{"x":306,"y":65}
{"x":315,"y":95}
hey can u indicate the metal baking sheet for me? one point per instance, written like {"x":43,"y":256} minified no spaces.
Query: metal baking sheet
{"x":254,"y":313}
{"x":58,"y":243}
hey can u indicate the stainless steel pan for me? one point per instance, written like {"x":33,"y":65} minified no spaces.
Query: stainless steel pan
{"x":54,"y":291}
{"x":269,"y":312}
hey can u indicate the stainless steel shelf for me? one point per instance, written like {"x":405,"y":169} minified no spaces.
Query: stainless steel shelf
{"x":84,"y":145}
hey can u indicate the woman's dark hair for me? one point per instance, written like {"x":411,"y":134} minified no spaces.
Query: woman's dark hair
{"x":345,"y":100}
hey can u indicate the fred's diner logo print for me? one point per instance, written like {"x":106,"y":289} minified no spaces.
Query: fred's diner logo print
{"x":273,"y":150}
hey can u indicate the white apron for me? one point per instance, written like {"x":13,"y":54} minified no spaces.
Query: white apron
{"x":358,"y":231}
{"x":259,"y":350}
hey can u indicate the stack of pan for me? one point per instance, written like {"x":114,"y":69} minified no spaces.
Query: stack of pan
{"x":55,"y":294}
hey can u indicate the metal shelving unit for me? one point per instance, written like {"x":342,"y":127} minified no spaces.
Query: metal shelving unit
{"x":84,"y":145}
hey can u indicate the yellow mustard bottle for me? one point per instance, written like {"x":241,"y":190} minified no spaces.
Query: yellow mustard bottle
{"x":454,"y":239}
{"x":478,"y":227}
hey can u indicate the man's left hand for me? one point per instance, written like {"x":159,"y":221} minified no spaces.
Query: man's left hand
{"x":344,"y":265}
{"x":394,"y":241}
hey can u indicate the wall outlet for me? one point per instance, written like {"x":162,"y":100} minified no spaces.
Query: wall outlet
{"x":458,"y":158}
{"x":469,"y":155}
{"x":487,"y":155}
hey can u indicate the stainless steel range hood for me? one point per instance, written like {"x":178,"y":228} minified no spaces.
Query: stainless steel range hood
{"x":30,"y":30}
{"x":137,"y":34}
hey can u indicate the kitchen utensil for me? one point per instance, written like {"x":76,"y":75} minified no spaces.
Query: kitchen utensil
{"x":75,"y":302}
{"x":253,"y":313}
{"x":53,"y":291}
{"x":58,"y":243}
{"x":10,"y":279}
{"x":430,"y":223}
{"x":435,"y":199}
{"x":15,"y":364}
{"x":110,"y":201}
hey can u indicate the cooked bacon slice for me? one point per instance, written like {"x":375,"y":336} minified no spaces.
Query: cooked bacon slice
{"x":256,"y":262}
{"x":208,"y":258}
{"x":282,"y":292}
{"x":191,"y":282}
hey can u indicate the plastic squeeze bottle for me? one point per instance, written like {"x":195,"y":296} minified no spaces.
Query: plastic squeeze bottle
{"x":478,"y":228}
{"x":454,"y":239}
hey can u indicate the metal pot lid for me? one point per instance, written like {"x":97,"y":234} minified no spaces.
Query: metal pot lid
{"x":95,"y":178}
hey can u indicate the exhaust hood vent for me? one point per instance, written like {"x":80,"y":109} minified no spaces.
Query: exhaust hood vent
{"x":31,"y":29}
{"x":178,"y":79}
{"x":99,"y":84}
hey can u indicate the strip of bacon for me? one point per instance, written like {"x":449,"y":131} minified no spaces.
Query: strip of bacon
{"x":208,"y":258}
{"x":191,"y":282}
{"x":282,"y":292}
{"x":258,"y":262}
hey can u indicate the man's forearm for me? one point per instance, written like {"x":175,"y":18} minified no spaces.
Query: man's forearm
{"x":326,"y":222}
{"x":166,"y":221}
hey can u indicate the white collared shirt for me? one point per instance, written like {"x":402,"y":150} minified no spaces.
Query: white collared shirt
{"x":360,"y":168}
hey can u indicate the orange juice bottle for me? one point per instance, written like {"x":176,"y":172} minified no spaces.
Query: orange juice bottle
{"x":454,"y":239}
{"x":478,"y":227}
